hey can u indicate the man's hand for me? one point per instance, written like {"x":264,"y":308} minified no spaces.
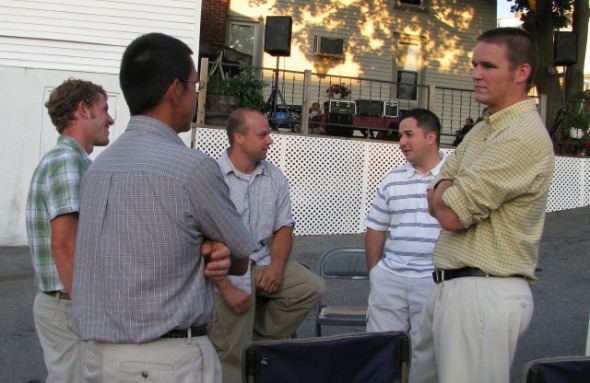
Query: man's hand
{"x":217,"y":260}
{"x":439,"y":209}
{"x":236,"y":299}
{"x":269,"y":278}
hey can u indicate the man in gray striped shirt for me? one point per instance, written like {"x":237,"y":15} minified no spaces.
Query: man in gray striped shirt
{"x":401,"y":233}
{"x":142,"y":281}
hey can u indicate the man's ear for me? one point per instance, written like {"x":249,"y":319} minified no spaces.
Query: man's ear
{"x":238,"y":137}
{"x":82,"y":110}
{"x":174,"y":92}
{"x":431,"y":137}
{"x":522,"y":75}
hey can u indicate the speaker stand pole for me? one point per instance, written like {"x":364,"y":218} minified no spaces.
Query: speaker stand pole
{"x":275,"y":90}
{"x":271,"y":103}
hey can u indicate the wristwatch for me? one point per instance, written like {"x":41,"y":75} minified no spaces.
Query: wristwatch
{"x":439,"y":181}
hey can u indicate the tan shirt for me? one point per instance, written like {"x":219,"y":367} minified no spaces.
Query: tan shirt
{"x":501,"y":176}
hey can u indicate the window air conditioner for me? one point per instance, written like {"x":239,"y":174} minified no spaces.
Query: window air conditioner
{"x":326,"y":46}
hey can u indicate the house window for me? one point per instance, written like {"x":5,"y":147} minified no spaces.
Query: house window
{"x":407,"y":82}
{"x":409,"y":63}
{"x":413,"y":5}
{"x":244,"y":36}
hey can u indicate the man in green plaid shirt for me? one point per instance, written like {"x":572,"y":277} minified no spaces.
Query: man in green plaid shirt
{"x":79,"y":110}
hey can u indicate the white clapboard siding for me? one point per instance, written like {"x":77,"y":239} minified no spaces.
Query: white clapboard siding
{"x":88,"y":35}
{"x":448,"y":32}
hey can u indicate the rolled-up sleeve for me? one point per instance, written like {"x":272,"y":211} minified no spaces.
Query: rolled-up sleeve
{"x":217,"y":215}
{"x":498,"y":175}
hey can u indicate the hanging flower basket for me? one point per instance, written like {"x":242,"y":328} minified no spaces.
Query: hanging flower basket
{"x":335,"y":90}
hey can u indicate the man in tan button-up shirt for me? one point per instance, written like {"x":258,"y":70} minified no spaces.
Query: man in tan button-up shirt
{"x":490,"y":198}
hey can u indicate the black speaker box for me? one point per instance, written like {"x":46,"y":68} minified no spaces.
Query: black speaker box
{"x":343,"y":107}
{"x":339,"y":124}
{"x":368,"y":108}
{"x":565,"y":48}
{"x":277,"y":36}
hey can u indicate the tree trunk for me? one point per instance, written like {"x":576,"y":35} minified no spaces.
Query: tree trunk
{"x":538,"y":23}
{"x":574,"y":82}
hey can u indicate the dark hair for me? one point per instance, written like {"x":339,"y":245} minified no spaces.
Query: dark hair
{"x":520,"y":48}
{"x":64,"y":100}
{"x":236,"y":122}
{"x":426,"y":120}
{"x":149,"y":65}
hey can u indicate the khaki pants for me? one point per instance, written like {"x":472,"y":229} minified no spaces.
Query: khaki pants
{"x":62,"y":348}
{"x":470,"y":329}
{"x":178,"y":360}
{"x":273,"y":316}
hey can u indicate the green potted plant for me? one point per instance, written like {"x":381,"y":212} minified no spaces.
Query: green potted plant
{"x":577,"y":122}
{"x":224,"y":95}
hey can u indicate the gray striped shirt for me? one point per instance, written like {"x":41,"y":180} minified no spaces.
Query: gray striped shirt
{"x":147,"y":202}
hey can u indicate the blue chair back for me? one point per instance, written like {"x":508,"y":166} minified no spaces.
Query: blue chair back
{"x":351,"y":358}
{"x":563,"y":369}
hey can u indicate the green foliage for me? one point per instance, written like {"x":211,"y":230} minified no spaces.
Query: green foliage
{"x":560,"y":10}
{"x":245,"y":86}
{"x":578,"y":117}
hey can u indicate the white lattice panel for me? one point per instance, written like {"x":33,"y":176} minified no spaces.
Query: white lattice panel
{"x":326,"y":190}
{"x":212,"y":141}
{"x":570,"y":187}
{"x":333,"y":181}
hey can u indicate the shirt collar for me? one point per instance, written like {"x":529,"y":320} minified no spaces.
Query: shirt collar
{"x":152,"y":125}
{"x":506,"y":118}
{"x":227,"y":166}
{"x":410,"y":170}
{"x":64,"y":139}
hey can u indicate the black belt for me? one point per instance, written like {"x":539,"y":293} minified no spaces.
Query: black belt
{"x":445,"y":275}
{"x":191,"y":332}
{"x":58,"y":294}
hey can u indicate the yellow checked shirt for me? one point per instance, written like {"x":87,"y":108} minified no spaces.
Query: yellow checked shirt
{"x":501,"y":176}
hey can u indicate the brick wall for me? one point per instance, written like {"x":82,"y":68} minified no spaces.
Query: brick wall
{"x":213,"y":20}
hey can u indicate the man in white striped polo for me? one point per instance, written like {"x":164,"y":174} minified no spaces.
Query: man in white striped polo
{"x":401,"y":233}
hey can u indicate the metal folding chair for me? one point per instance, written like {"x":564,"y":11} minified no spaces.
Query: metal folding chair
{"x":342,"y":263}
{"x":562,"y":369}
{"x":350,"y":358}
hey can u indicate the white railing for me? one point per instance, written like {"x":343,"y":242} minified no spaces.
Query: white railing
{"x":333,"y":180}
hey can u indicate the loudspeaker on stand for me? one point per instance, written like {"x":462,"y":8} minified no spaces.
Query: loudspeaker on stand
{"x":565,"y":48}
{"x":277,"y":35}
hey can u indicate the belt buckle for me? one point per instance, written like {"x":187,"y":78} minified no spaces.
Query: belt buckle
{"x":438,"y":276}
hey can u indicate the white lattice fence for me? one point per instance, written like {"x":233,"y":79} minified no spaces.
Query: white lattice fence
{"x":571,"y":184}
{"x":333,"y":181}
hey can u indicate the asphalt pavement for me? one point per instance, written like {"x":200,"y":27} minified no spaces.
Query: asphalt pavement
{"x":559,"y":325}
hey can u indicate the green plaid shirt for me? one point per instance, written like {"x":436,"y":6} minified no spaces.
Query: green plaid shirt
{"x":54,"y":191}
